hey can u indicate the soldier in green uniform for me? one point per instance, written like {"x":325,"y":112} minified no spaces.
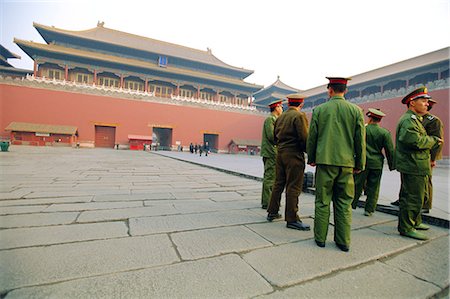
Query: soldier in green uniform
{"x":336,"y":145}
{"x":291,"y":133}
{"x":434,"y":127}
{"x":412,"y":160}
{"x":269,"y":152}
{"x":377,"y":139}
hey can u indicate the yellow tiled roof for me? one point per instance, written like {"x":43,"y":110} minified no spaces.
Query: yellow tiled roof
{"x":107,"y":35}
{"x":128,"y":61}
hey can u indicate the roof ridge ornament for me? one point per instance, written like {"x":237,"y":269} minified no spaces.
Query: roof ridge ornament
{"x":100,"y":24}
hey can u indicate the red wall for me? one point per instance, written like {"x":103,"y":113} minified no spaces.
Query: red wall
{"x":34,"y":105}
{"x":394,"y":109}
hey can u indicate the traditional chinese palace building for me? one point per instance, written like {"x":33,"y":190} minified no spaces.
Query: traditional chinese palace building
{"x":106,"y":88}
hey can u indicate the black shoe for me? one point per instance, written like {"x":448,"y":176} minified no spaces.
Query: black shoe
{"x":271,"y":217}
{"x":425,"y":211}
{"x":343,"y":247}
{"x":396,"y":203}
{"x":298,"y":225}
{"x":264,"y":207}
{"x":320,"y":244}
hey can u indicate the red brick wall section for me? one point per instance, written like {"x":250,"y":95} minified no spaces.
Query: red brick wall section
{"x":25,"y":104}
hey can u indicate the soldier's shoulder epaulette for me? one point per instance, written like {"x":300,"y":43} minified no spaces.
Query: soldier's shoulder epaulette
{"x":430,"y":117}
{"x":413,"y":116}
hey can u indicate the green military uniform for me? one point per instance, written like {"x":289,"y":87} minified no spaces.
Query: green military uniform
{"x":377,"y":139}
{"x":268,"y":153}
{"x":336,"y":145}
{"x":412,"y":160}
{"x":434,"y":127}
{"x":291,"y":132}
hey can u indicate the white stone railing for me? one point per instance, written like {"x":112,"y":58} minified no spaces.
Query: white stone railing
{"x":128,"y":93}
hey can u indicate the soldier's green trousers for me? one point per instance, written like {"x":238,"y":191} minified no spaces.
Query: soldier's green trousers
{"x":428,"y":202}
{"x":334,"y":183}
{"x":412,"y":194}
{"x":268,"y":179}
{"x":370,"y":180}
{"x":290,"y":167}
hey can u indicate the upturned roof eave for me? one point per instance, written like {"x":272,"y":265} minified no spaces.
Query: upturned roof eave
{"x":131,"y":62}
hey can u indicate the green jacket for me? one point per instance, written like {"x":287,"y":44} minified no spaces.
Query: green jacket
{"x":337,"y":135}
{"x":377,"y":139}
{"x":412,"y":145}
{"x":268,"y":146}
{"x":434,"y":127}
{"x":291,"y":130}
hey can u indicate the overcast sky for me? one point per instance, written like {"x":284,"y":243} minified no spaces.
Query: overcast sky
{"x":301,"y":41}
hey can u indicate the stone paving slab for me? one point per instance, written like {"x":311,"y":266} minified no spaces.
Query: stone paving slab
{"x":37,"y":219}
{"x":375,"y":280}
{"x":40,"y":194}
{"x":298,"y":262}
{"x":216,"y":241}
{"x":9,"y":210}
{"x":175,"y":223}
{"x":93,"y":206}
{"x":131,"y":197}
{"x":277,"y":233}
{"x":122,"y":214}
{"x":429,"y":262}
{"x":220,"y":277}
{"x":37,"y":236}
{"x":46,"y":201}
{"x":42,"y":265}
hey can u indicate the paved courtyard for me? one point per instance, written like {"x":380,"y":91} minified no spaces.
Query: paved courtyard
{"x":97,"y":223}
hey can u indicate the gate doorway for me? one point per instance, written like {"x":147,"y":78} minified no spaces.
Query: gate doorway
{"x":163,"y":138}
{"x":213,"y":141}
{"x":105,"y":136}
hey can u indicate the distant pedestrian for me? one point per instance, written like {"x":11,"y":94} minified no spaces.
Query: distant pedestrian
{"x":196,"y":148}
{"x":191,"y":148}
{"x":336,"y":145}
{"x":378,"y":139}
{"x":290,"y":135}
{"x":412,"y":160}
{"x":269,"y":151}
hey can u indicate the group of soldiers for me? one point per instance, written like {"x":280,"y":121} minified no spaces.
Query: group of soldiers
{"x":348,"y":156}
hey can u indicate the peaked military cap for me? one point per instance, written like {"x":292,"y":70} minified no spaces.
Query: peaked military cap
{"x":421,"y":92}
{"x":375,"y":113}
{"x":275,"y":103}
{"x":338,"y":80}
{"x":295,"y":98}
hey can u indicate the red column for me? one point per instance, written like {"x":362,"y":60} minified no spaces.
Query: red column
{"x":146,"y":85}
{"x":35,"y":68}
{"x":177,"y":92}
{"x":198,"y":92}
{"x":121,"y":81}
{"x":95,"y":77}
{"x":66,"y":72}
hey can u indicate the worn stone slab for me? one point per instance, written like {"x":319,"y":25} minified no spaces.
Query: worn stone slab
{"x":49,"y":264}
{"x":45,"y":201}
{"x":37,"y":219}
{"x":40,"y":194}
{"x":216,"y":241}
{"x":93,"y":206}
{"x":303,"y":260}
{"x":35,"y":236}
{"x":188,"y":194}
{"x":175,"y":223}
{"x":375,"y":280}
{"x":18,"y":193}
{"x":429,"y":262}
{"x":225,"y":196}
{"x":121,"y":214}
{"x":220,"y":277}
{"x":359,"y":220}
{"x":132,"y":197}
{"x":277,"y":233}
{"x":8,"y":210}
